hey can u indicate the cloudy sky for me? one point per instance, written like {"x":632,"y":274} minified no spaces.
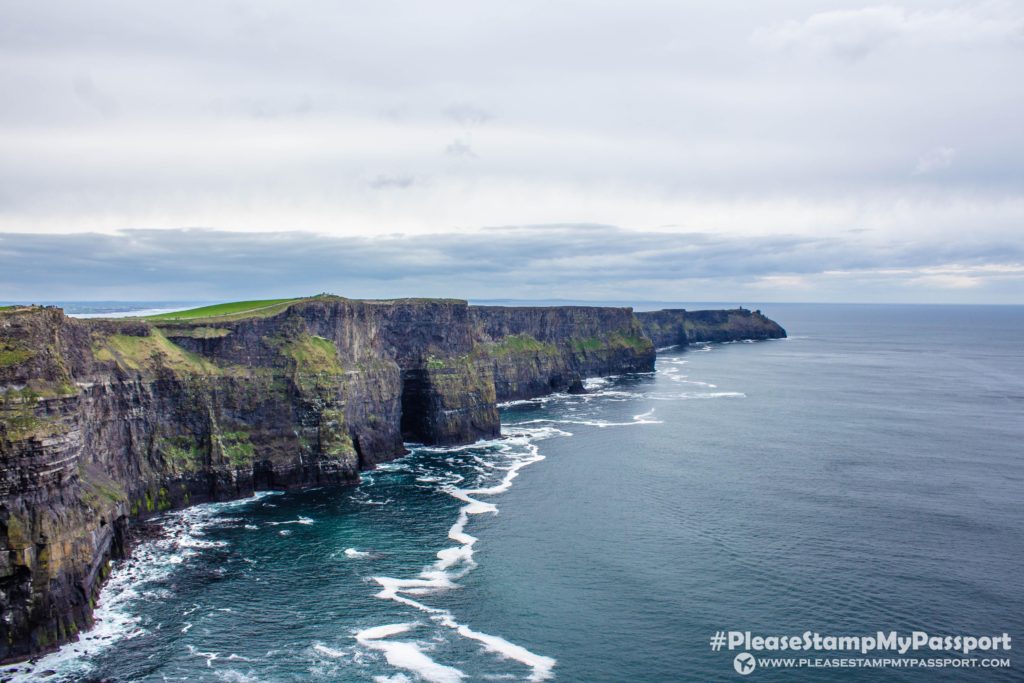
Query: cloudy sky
{"x":744,"y":151}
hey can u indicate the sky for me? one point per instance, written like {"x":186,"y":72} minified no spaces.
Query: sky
{"x":790,"y":150}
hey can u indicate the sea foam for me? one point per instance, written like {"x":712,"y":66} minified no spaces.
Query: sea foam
{"x":455,"y":561}
{"x":149,"y":564}
{"x":407,"y":655}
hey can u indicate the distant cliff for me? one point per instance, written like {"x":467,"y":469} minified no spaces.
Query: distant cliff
{"x":671,"y":327}
{"x":106,"y":421}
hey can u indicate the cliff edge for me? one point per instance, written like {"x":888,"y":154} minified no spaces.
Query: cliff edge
{"x":106,"y":421}
{"x":679,"y":327}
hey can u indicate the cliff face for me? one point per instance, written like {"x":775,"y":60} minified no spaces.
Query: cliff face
{"x":106,"y":421}
{"x":534,"y":351}
{"x":671,"y":327}
{"x":102,"y":422}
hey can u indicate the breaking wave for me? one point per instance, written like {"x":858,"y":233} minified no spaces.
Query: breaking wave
{"x":473,"y":475}
{"x":142,"y":574}
{"x":507,"y":457}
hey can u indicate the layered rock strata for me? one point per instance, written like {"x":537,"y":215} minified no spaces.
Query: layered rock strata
{"x":103,"y":422}
{"x":679,"y":327}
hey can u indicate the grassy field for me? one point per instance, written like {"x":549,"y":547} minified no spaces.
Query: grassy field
{"x":238,"y":310}
{"x":228,"y":311}
{"x":145,"y":353}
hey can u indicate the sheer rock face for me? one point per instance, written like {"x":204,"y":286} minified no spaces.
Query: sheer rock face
{"x":672,"y":327}
{"x":104,"y":422}
{"x":107,"y":421}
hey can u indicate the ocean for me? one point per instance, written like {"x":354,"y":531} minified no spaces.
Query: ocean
{"x":864,"y":475}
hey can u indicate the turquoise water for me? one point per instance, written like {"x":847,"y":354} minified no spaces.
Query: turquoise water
{"x":863,"y":475}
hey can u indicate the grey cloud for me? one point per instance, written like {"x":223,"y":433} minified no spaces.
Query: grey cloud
{"x":682,"y":78}
{"x":854,"y":33}
{"x":467,"y":114}
{"x":262,"y":107}
{"x":735,"y":117}
{"x":398,"y":182}
{"x":460,"y":148}
{"x":501,"y":262}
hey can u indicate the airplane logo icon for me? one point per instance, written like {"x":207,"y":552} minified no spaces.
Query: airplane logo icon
{"x":744,"y":663}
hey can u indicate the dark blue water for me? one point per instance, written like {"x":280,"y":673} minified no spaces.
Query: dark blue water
{"x":865,"y":474}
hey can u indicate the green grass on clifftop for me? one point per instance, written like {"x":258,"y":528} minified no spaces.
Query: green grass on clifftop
{"x":150,"y":352}
{"x":229,"y":311}
{"x":314,"y":355}
{"x":12,"y":354}
{"x":521,"y":343}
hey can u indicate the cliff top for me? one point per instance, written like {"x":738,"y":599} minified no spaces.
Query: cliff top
{"x":19,"y":308}
{"x":265,"y":308}
{"x":229,"y":311}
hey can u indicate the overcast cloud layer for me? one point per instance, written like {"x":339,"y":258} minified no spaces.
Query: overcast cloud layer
{"x":789,"y":150}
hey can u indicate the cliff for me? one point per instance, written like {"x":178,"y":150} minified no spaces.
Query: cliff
{"x":106,"y":421}
{"x":672,"y":327}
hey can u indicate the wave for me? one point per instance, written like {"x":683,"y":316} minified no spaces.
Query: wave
{"x":641,"y":419}
{"x":150,"y":564}
{"x":301,"y":520}
{"x":685,"y":379}
{"x":456,"y":561}
{"x":374,"y":502}
{"x":397,"y":678}
{"x":592,"y":383}
{"x":696,"y":395}
{"x":407,"y":655}
{"x":328,"y":651}
{"x":488,"y":468}
{"x":609,"y":393}
{"x":539,"y":400}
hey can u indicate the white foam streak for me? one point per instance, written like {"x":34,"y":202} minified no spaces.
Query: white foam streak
{"x":329,"y":652}
{"x":397,"y":678}
{"x":542,"y":666}
{"x":645,"y":418}
{"x":301,"y":520}
{"x":407,"y":655}
{"x":642,"y":419}
{"x":454,"y":562}
{"x":541,"y":400}
{"x":150,"y":562}
{"x":687,"y":396}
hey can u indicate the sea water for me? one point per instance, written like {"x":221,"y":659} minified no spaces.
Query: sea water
{"x":865,"y":474}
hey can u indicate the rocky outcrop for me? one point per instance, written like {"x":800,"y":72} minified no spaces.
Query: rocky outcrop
{"x":672,"y":327}
{"x":535,"y":351}
{"x":103,"y":422}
